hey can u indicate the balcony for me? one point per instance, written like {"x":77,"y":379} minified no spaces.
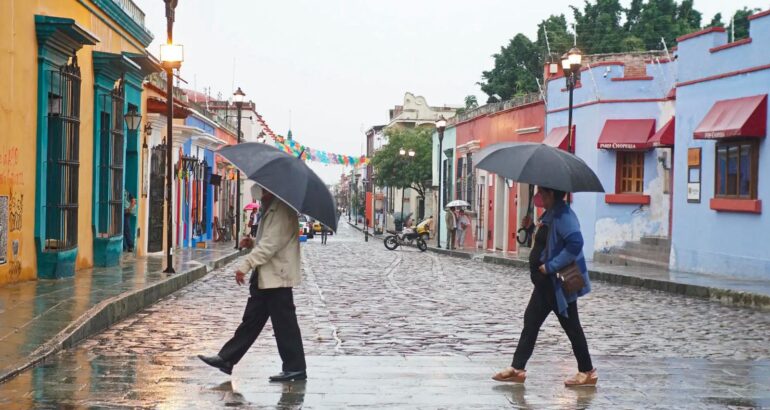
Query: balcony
{"x":133,"y":11}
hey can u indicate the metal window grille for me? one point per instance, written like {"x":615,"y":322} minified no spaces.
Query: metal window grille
{"x":111,"y":163}
{"x":61,"y":205}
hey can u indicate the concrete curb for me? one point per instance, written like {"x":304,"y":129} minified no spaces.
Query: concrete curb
{"x":724,"y":296}
{"x":110,"y":311}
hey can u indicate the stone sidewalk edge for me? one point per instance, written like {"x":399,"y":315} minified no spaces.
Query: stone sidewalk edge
{"x":724,"y":296}
{"x":113,"y":310}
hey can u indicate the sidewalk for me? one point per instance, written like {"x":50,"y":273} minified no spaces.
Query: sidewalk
{"x":40,"y":317}
{"x":727,"y":290}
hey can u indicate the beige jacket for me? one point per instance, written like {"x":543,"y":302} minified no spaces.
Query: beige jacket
{"x":276,"y":252}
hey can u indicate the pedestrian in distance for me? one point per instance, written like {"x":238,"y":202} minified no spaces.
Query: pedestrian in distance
{"x":324,"y":234}
{"x":253,"y":222}
{"x":129,"y":210}
{"x":558,"y":244}
{"x":274,"y":263}
{"x":451,"y":224}
{"x":463,"y":224}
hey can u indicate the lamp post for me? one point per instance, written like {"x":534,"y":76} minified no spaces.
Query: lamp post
{"x":238,"y":96}
{"x":571,"y":64}
{"x":440,"y":126}
{"x":171,"y":56}
{"x":406,"y":155}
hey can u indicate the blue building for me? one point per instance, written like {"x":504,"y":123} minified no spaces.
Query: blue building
{"x":722,"y":158}
{"x":623,"y":129}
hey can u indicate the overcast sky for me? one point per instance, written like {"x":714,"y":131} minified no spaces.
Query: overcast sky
{"x":331,"y":68}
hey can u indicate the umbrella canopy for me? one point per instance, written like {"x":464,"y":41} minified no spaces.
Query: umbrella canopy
{"x":250,"y":206}
{"x":539,"y":164}
{"x":287,"y":177}
{"x":457,"y":203}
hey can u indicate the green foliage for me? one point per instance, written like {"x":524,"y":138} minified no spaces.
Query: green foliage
{"x":519,"y":64}
{"x":516,"y":67}
{"x":741,"y":21}
{"x":471,"y":102}
{"x":716,"y":21}
{"x":395,"y":170}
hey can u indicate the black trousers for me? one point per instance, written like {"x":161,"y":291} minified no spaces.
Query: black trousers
{"x":541,"y":304}
{"x":278,"y":305}
{"x":323,"y":236}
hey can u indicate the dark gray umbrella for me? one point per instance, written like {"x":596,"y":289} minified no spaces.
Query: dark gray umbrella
{"x":539,"y":164}
{"x":285,"y":176}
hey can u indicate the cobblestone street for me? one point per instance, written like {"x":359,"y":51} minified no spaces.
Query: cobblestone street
{"x":369,"y":313}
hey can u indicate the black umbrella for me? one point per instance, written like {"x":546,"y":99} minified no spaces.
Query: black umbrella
{"x":539,"y":164}
{"x":286,"y":176}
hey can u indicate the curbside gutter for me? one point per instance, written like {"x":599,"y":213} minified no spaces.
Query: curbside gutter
{"x":113,"y":310}
{"x":724,"y":296}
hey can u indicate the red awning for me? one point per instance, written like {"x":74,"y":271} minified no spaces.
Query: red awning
{"x":739,"y":117}
{"x":665,"y":135}
{"x":627,"y":134}
{"x":559,"y":138}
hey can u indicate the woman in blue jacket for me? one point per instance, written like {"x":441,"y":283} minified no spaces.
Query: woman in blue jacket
{"x":558,"y":243}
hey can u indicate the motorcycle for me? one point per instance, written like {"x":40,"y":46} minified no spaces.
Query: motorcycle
{"x":407,"y":237}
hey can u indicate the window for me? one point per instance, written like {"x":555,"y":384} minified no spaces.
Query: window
{"x":736,"y":170}
{"x":61,"y":204}
{"x":470,"y":177}
{"x":111,"y":163}
{"x":630,"y":172}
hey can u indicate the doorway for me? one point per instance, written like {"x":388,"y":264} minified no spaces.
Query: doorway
{"x":157,"y":183}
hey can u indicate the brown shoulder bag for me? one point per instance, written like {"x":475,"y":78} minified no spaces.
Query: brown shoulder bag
{"x":570,"y":276}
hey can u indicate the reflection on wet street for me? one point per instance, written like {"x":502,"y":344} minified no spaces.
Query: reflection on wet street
{"x":407,"y":329}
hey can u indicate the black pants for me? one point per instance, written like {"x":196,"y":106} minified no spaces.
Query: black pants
{"x":278,"y":305}
{"x":323,"y":236}
{"x":541,"y":304}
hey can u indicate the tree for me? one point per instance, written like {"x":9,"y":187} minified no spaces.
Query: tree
{"x":394,"y":170}
{"x":598,"y":26}
{"x":559,"y":38}
{"x":716,"y":21}
{"x":471,"y":102}
{"x":741,"y":22}
{"x":516,"y":67}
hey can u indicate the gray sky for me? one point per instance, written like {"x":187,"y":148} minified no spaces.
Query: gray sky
{"x":334,"y":67}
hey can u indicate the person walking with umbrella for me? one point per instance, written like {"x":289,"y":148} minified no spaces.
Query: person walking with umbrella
{"x":558,"y":244}
{"x":287,"y":187}
{"x":274,"y":264}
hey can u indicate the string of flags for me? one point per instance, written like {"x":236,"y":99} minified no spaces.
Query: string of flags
{"x":291,"y":146}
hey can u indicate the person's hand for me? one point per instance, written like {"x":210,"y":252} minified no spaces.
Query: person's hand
{"x":542,"y":269}
{"x":240,"y":277}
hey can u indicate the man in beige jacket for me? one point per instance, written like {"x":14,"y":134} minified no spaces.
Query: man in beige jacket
{"x":274,"y":264}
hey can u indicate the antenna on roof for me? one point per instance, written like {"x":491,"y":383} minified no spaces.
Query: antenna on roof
{"x":732,"y":28}
{"x":547,"y":44}
{"x":665,"y":47}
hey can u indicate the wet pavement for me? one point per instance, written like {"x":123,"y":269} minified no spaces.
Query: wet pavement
{"x":34,"y":312}
{"x":410,"y":329}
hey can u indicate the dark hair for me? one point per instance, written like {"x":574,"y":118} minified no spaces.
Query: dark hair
{"x":558,"y":195}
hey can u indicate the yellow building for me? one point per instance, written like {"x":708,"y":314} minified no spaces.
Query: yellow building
{"x":71,"y":72}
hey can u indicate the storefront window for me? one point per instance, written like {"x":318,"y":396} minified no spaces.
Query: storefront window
{"x":736,"y":170}
{"x":111,"y":163}
{"x":630,"y":172}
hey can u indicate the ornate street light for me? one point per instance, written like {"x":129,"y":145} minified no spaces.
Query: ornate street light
{"x":440,"y":126}
{"x":133,"y":119}
{"x":571,"y":65}
{"x":171,"y":57}
{"x":238,"y":97}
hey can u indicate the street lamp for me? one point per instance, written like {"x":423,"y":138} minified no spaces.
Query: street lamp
{"x":440,"y":126}
{"x":238,"y":97}
{"x":133,"y":119}
{"x":171,"y":56}
{"x":571,"y":64}
{"x":407,"y":155}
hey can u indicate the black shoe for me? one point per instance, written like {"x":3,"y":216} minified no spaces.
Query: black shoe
{"x":289,"y":376}
{"x":216,"y":361}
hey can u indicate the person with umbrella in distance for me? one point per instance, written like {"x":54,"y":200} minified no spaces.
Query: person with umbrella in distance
{"x":451,"y":227}
{"x":287,"y":187}
{"x":557,"y":265}
{"x":274,"y":264}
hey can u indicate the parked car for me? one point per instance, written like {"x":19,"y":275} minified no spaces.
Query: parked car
{"x":305,"y":226}
{"x":317,"y":226}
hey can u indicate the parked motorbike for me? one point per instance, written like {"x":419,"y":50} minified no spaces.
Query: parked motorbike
{"x":407,"y":237}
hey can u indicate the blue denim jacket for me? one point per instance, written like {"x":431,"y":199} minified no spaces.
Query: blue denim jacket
{"x":565,"y":245}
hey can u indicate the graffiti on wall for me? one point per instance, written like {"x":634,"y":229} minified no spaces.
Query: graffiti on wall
{"x":11,"y":211}
{"x":10,"y":175}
